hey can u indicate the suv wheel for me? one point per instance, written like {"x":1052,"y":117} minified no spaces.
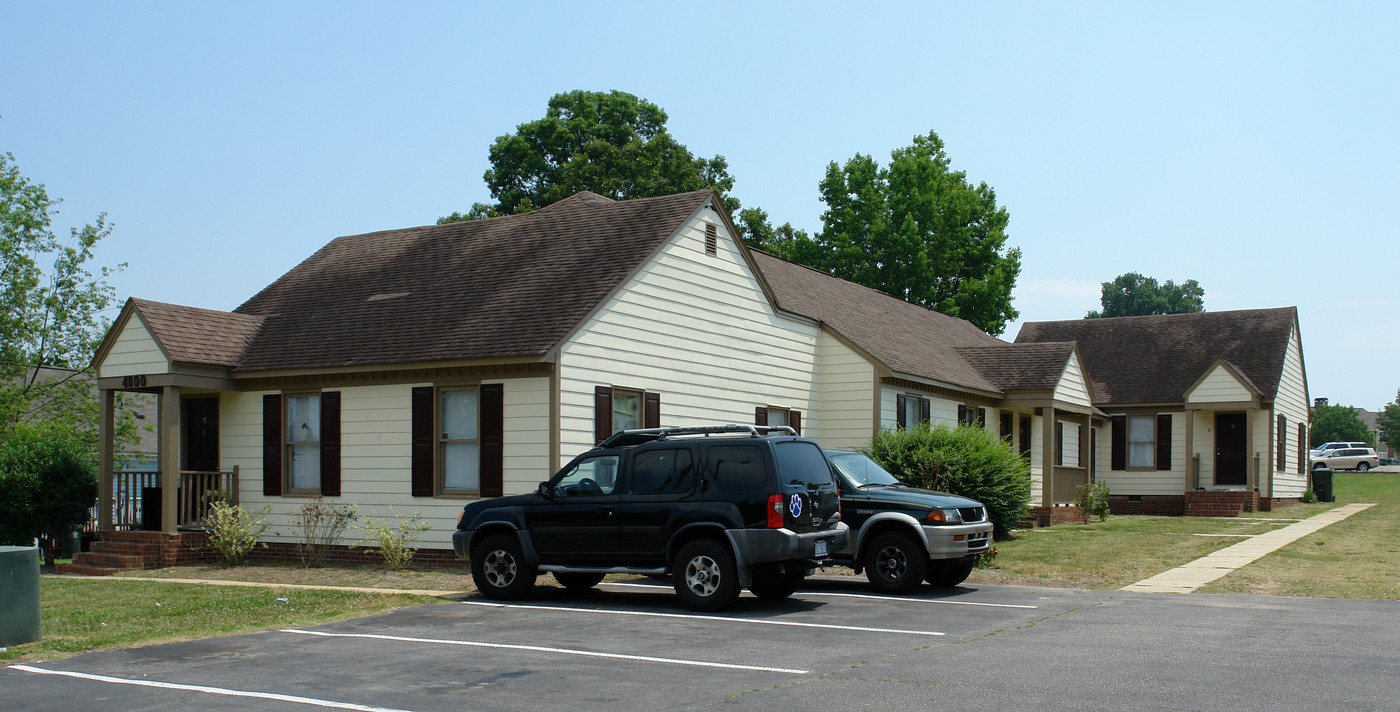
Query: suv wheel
{"x":952,"y":574}
{"x":776,"y":586}
{"x":499,"y":569}
{"x":577,"y":581}
{"x":895,"y":563}
{"x":1363,"y":466}
{"x":706,"y":578}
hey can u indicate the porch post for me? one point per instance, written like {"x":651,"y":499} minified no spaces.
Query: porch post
{"x":1086,"y":436}
{"x":169,"y":457}
{"x":106,"y":439}
{"x":1250,"y":461}
{"x":1047,"y":457}
{"x":1193,"y":474}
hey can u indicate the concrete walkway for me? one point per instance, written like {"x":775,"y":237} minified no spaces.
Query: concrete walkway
{"x":1189,"y":577}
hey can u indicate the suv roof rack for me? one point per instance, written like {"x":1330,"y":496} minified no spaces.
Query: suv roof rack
{"x":627,"y":438}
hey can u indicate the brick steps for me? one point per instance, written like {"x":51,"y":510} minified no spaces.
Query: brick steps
{"x":119,"y":551}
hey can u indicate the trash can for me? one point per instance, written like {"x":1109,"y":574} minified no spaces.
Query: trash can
{"x":19,"y":595}
{"x":150,"y":509}
{"x":1322,"y":483}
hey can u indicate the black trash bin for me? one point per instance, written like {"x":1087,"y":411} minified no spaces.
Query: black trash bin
{"x":1322,"y":483}
{"x":150,"y":509}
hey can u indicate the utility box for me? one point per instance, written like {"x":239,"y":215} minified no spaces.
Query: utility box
{"x":19,"y":595}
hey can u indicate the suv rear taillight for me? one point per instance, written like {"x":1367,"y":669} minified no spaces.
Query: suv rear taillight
{"x":775,"y":511}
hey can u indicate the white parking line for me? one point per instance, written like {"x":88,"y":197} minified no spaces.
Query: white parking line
{"x":209,"y":690}
{"x":853,"y":595}
{"x":729,"y":619}
{"x":542,"y":649}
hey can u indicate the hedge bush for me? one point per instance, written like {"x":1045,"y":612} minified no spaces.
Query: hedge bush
{"x":966,"y":460}
{"x":48,"y":484}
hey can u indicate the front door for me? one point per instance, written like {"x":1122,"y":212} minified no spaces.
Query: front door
{"x":1230,"y":445}
{"x":201,"y":434}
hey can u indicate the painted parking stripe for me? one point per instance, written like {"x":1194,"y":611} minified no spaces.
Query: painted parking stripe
{"x":903,"y":599}
{"x":209,"y":690}
{"x":543,"y":649}
{"x":730,"y":619}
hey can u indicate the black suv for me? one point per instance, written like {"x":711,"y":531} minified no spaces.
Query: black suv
{"x":718,"y":508}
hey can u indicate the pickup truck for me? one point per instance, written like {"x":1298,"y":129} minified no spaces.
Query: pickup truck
{"x":901,"y":536}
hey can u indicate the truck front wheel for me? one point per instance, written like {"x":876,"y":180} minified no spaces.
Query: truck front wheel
{"x":895,"y":563}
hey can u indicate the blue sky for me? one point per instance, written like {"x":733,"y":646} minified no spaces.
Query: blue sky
{"x":1249,"y":146}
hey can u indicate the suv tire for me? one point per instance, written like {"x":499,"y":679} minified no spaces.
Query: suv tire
{"x":705,"y":576}
{"x":499,"y":569}
{"x":777,"y":586}
{"x":952,"y":574}
{"x":577,"y":581}
{"x":895,"y":563}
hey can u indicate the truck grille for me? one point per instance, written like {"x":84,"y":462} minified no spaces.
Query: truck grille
{"x":972,"y":515}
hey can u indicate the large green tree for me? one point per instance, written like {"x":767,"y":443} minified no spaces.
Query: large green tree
{"x":51,"y":311}
{"x":918,"y":230}
{"x":611,"y":143}
{"x":1388,"y":422}
{"x":1132,"y":294}
{"x":1331,"y":423}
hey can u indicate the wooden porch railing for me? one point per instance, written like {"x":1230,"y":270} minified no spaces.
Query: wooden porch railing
{"x":1066,"y":484}
{"x":132,"y":488}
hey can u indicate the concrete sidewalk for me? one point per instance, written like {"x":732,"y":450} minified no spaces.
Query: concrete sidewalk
{"x":1189,"y":577}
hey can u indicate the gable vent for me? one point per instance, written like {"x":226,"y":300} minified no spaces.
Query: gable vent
{"x":711,"y":239}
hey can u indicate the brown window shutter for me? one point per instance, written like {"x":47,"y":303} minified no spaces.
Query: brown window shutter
{"x":602,"y":413}
{"x":1302,"y":449}
{"x":1059,"y":444}
{"x":1164,"y":441}
{"x":899,"y":403}
{"x":1005,"y":426}
{"x":795,"y":420}
{"x":272,"y":445}
{"x":1026,"y":425}
{"x":423,"y":439}
{"x":982,"y":417}
{"x":925,"y":410}
{"x":493,"y":448}
{"x":760,"y":415}
{"x":962,"y":414}
{"x":1282,"y":442}
{"x":1118,"y":444}
{"x":330,"y":443}
{"x":651,"y":411}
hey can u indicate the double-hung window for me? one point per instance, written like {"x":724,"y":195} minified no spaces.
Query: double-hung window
{"x":303,"y":442}
{"x":1142,"y":442}
{"x":459,"y":440}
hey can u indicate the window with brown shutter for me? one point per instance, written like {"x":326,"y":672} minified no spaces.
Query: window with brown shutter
{"x":1164,"y":441}
{"x":1059,"y":444}
{"x":1006,"y":426}
{"x":901,"y":406}
{"x":272,"y":445}
{"x":458,"y":441}
{"x":330,"y":443}
{"x":422,"y":440}
{"x":1282,"y":447}
{"x":618,"y":409}
{"x":775,"y":416}
{"x":1118,"y":443}
{"x":925,"y":410}
{"x":301,"y":444}
{"x":1302,"y":448}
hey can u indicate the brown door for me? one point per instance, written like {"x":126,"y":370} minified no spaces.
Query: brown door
{"x":201,"y":434}
{"x":1230,"y":445}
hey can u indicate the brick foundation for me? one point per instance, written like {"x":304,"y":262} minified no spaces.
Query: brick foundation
{"x":1204,"y":503}
{"x":1050,"y":516}
{"x":1158,"y":504}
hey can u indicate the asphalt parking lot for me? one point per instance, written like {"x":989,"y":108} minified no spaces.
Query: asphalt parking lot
{"x":834,"y":645}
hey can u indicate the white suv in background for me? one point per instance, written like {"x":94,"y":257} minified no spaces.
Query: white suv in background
{"x":1325,"y":448}
{"x":1349,"y":458}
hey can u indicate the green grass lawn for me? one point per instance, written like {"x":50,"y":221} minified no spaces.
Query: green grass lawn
{"x":1358,"y":558}
{"x":81,"y":615}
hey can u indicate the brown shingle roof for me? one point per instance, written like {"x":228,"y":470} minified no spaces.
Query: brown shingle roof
{"x":905,"y":337}
{"x":1154,"y":359}
{"x":198,"y":336}
{"x":498,"y":287}
{"x":1021,"y":367}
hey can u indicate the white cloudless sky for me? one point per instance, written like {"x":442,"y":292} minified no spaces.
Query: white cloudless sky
{"x":1249,"y":146}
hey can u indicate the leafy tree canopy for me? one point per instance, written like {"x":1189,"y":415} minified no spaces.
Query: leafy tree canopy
{"x":1388,"y":422}
{"x":51,"y":305}
{"x":611,"y":143}
{"x":1331,"y":423}
{"x":914,"y":229}
{"x":1132,"y":294}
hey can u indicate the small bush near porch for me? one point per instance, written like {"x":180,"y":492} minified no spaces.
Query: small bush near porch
{"x":967,"y":461}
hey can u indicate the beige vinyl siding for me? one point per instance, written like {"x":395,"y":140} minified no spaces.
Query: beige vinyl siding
{"x":1220,"y":386}
{"x":1150,"y":482}
{"x":696,"y":329}
{"x":1203,"y":443}
{"x":375,"y":437}
{"x":1291,"y":400}
{"x":1037,"y":457}
{"x":1072,"y":387}
{"x":1069,"y":453}
{"x":134,"y":353}
{"x":845,"y":381}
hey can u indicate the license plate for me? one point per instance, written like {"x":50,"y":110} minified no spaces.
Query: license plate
{"x":821,"y":547}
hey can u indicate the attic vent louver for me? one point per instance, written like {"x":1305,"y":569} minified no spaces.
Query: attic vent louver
{"x":386,"y":297}
{"x":711,"y":239}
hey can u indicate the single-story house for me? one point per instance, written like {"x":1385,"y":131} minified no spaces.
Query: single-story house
{"x":423,"y":367}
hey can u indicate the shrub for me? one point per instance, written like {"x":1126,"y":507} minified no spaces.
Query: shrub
{"x":968,"y":461}
{"x":1309,"y":497}
{"x":395,"y":540}
{"x":48,"y":484}
{"x":318,"y":526}
{"x":234,"y":531}
{"x":1093,"y":500}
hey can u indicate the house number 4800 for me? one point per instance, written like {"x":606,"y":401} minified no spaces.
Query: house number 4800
{"x":134,"y":382}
